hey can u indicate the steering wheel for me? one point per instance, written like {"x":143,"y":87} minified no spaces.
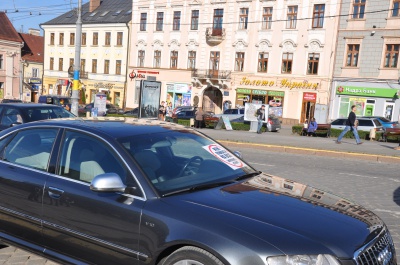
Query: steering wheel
{"x":190,"y":161}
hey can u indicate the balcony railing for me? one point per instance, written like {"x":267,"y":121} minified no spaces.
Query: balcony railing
{"x":215,"y":36}
{"x":83,"y":75}
{"x":211,"y":74}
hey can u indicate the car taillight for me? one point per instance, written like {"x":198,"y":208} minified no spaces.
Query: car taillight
{"x":270,"y":121}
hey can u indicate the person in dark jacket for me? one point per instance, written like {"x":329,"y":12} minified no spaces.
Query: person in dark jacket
{"x":260,"y":118}
{"x":350,"y":125}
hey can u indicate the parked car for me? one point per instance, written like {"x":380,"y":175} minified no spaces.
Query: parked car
{"x":386,"y":123}
{"x":110,"y":109}
{"x":132,"y":113}
{"x":12,"y":114}
{"x":365,"y":124}
{"x":234,"y":115}
{"x":183,"y":114}
{"x":59,"y":100}
{"x":96,"y":192}
{"x":273,"y":124}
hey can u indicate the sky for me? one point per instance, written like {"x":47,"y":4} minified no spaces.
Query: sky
{"x":26,"y":14}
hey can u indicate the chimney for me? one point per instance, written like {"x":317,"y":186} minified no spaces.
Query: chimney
{"x":35,"y":32}
{"x":93,"y":5}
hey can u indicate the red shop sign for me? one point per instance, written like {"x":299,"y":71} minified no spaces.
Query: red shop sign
{"x":310,"y":96}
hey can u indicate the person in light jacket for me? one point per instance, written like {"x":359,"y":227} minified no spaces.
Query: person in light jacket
{"x":198,"y":117}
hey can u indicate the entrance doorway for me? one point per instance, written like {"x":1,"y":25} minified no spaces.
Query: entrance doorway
{"x":212,"y":100}
{"x":308,"y":106}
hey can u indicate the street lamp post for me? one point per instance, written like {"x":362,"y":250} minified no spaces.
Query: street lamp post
{"x":77,"y":60}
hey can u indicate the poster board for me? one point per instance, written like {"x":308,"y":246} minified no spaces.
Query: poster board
{"x":224,"y":120}
{"x":100,"y":104}
{"x":149,"y":103}
{"x":250,"y":110}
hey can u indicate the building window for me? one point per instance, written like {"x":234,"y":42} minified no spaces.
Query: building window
{"x":83,"y":65}
{"x":119,"y":38}
{"x":318,"y":16}
{"x":392,"y":55}
{"x":217,"y":22}
{"x":60,"y":64}
{"x":72,"y":39}
{"x":174,"y":60}
{"x":291,"y":17}
{"x":35,"y":72}
{"x":118,"y":65}
{"x":192,"y":60}
{"x":243,"y":18}
{"x":106,"y":66}
{"x":267,"y":18}
{"x":358,"y":8}
{"x":287,"y":61}
{"x":263,"y":62}
{"x":239,"y":61}
{"x":95,"y":38}
{"x":352,"y":55}
{"x":194,"y":24}
{"x":160,"y":21}
{"x":107,"y":41}
{"x":140,"y":62}
{"x":51,"y":38}
{"x":313,"y":60}
{"x":177,"y":20}
{"x":51,"y":63}
{"x":61,"y":40}
{"x":1,"y":61}
{"x":83,"y":41}
{"x":94,"y":66}
{"x":143,"y":21}
{"x":157,"y":59}
{"x":396,"y":8}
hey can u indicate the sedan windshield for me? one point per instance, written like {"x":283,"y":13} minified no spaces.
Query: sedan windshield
{"x":184,"y":160}
{"x":44,"y":113}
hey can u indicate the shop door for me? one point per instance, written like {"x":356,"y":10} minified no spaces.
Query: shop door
{"x":388,"y":111}
{"x":214,"y":64}
{"x":307,"y":111}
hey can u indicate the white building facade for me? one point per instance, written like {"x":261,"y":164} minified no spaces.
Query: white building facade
{"x":221,"y":54}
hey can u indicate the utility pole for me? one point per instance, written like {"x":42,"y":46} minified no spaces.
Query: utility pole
{"x":77,"y":62}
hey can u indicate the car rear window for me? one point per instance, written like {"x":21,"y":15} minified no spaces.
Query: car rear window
{"x":377,"y":122}
{"x":241,"y":111}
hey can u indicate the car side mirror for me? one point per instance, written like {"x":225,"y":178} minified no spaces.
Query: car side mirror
{"x":107,"y":182}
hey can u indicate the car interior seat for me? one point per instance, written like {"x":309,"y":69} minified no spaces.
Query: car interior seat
{"x":89,"y":168}
{"x":149,"y":163}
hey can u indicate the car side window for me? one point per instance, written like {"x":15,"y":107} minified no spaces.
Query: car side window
{"x":377,"y":122}
{"x":31,"y":148}
{"x":83,"y":157}
{"x":241,"y":111}
{"x":11,"y":116}
{"x":339,"y":122}
{"x":365,"y":123}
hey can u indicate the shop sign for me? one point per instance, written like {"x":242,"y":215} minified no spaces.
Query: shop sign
{"x":367,"y":91}
{"x":138,"y":75}
{"x":259,"y":92}
{"x":285,"y":83}
{"x":35,"y":80}
{"x":170,"y":87}
{"x":63,"y":82}
{"x":310,"y":97}
{"x":276,"y":93}
{"x":182,"y":88}
{"x":102,"y":85}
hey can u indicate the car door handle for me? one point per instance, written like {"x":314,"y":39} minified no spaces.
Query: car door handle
{"x":55,"y":193}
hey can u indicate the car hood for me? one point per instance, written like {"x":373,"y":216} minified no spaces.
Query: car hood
{"x":289,"y":215}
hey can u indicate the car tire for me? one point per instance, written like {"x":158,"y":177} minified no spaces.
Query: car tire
{"x":190,"y":255}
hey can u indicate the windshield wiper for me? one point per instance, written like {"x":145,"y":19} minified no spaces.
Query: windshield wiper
{"x":199,"y":187}
{"x":249,"y":175}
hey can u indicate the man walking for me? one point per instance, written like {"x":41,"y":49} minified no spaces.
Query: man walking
{"x":260,"y":118}
{"x":350,"y":125}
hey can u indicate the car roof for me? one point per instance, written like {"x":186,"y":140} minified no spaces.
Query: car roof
{"x":115,"y":127}
{"x":30,"y":105}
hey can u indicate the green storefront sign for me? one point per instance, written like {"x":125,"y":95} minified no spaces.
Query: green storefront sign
{"x":367,"y":91}
{"x":260,"y":92}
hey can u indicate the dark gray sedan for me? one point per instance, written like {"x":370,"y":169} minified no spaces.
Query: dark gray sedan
{"x":151,"y":192}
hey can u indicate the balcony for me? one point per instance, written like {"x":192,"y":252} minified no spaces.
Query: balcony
{"x":215,"y":36}
{"x":211,"y":74}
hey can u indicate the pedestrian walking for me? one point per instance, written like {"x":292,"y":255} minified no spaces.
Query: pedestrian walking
{"x":260,"y":118}
{"x":351,"y":124}
{"x":199,"y":116}
{"x":161,"y":111}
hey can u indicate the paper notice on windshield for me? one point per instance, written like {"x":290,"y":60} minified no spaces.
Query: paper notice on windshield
{"x":223,"y":155}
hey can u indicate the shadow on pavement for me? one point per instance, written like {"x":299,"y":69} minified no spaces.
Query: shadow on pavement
{"x":396,"y":196}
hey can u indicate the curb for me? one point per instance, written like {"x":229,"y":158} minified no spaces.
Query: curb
{"x":318,"y":152}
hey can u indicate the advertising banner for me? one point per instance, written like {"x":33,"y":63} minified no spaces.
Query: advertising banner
{"x":250,"y":111}
{"x":149,"y":99}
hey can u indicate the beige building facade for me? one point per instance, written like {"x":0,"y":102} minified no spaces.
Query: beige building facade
{"x":232,"y":52}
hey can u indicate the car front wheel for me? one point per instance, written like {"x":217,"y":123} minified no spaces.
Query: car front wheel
{"x":190,"y":256}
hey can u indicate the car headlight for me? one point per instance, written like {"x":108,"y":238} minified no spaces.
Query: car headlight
{"x":322,"y":259}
